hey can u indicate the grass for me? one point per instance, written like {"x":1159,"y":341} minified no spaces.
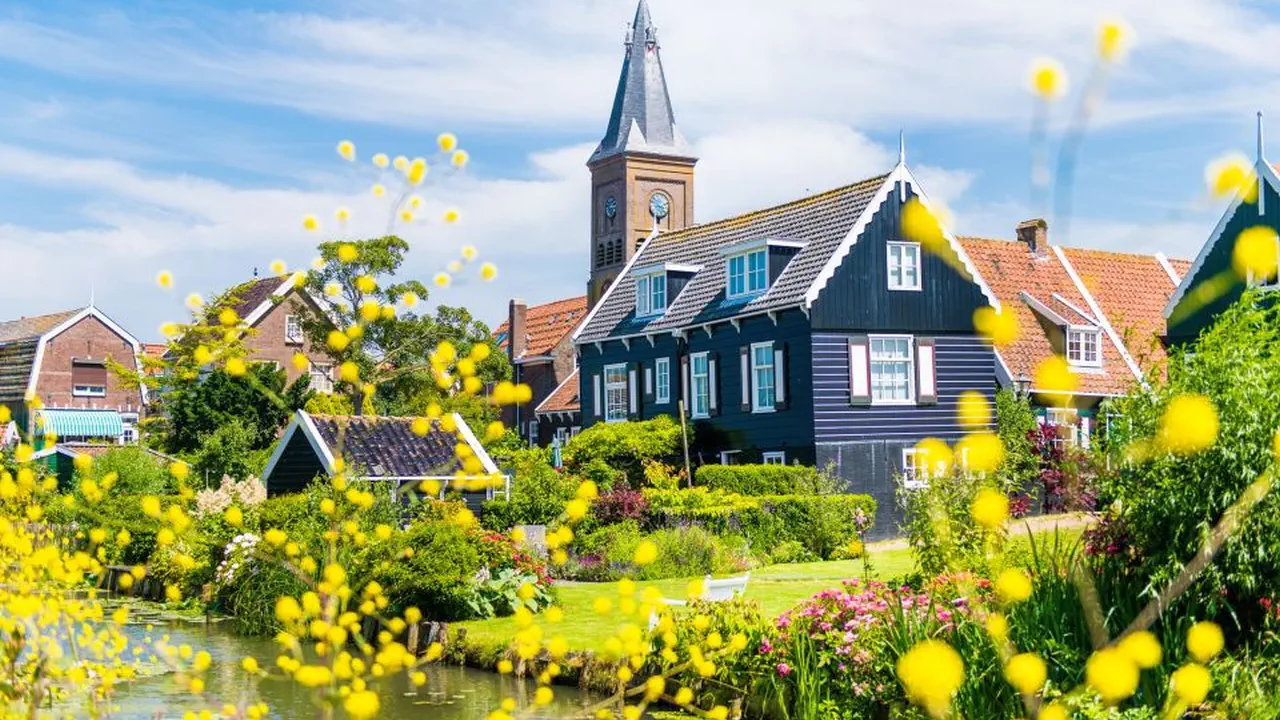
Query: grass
{"x":777,"y":588}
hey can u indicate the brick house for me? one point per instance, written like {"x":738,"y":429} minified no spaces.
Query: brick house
{"x":538,"y":344}
{"x":60,"y":358}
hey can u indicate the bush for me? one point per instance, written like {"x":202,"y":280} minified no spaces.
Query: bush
{"x":228,"y":451}
{"x":606,"y":452}
{"x":758,"y":479}
{"x":539,"y":493}
{"x":791,"y":551}
{"x":138,"y":472}
{"x":438,"y":577}
{"x":608,"y":553}
{"x":942,"y":536}
{"x":619,"y":505}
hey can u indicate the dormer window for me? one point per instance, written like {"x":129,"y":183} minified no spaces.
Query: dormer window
{"x":1084,"y":346}
{"x":904,"y":266}
{"x":748,"y":273}
{"x":651,"y":294}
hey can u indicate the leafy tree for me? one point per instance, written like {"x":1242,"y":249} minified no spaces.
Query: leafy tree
{"x":608,"y":451}
{"x":1015,"y":421}
{"x":138,"y":472}
{"x":228,"y":450}
{"x":198,"y":409}
{"x":391,"y":344}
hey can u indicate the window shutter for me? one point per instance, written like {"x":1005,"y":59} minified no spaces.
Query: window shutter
{"x":648,"y":383}
{"x":595,"y":395}
{"x":780,"y":377}
{"x":684,"y":382}
{"x":632,"y":392}
{"x":859,"y":370}
{"x":713,"y":380}
{"x":926,"y":372}
{"x":745,"y":365}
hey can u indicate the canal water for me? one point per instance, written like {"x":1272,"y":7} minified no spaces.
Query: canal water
{"x":451,"y":692}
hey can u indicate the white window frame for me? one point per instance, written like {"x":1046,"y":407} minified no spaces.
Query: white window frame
{"x":757,"y":375}
{"x":314,"y":370}
{"x":898,"y":267}
{"x":562,"y":435}
{"x":755,"y":281}
{"x":292,"y":330}
{"x":778,"y":457}
{"x":649,"y":301}
{"x":910,"y":360}
{"x":533,"y":433}
{"x":1073,"y":421}
{"x":616,"y":411}
{"x":914,"y":475}
{"x":662,"y":380}
{"x":89,"y":390}
{"x":726,"y":456}
{"x":700,"y":398}
{"x":1083,"y":333}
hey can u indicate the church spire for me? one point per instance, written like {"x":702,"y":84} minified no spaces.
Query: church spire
{"x":642,"y":119}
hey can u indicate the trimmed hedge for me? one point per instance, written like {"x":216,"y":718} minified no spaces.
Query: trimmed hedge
{"x":757,"y":479}
{"x":822,"y":523}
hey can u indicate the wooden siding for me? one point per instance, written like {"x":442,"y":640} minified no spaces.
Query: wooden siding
{"x":858,"y":296}
{"x":297,"y":467}
{"x":964,"y":362}
{"x":1188,"y":328}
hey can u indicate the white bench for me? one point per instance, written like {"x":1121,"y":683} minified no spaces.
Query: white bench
{"x":712,"y":591}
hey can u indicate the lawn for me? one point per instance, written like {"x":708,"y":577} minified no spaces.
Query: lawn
{"x":777,"y":588}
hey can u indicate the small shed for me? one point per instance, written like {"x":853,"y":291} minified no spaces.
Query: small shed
{"x":376,"y":448}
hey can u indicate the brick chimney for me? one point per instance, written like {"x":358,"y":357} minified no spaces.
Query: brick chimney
{"x":1034,"y":234}
{"x":517,"y":336}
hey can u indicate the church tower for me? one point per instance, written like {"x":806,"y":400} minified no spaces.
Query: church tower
{"x":642,"y":171}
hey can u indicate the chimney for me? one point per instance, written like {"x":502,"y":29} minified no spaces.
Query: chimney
{"x":517,"y":337}
{"x":1034,"y":234}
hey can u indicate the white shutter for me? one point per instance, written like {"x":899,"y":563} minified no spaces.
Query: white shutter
{"x":648,"y":381}
{"x":595,"y":397}
{"x":632,"y":389}
{"x":712,"y":381}
{"x":745,"y":362}
{"x":926,"y":371}
{"x":684,"y":382}
{"x":780,"y":376}
{"x":859,"y":370}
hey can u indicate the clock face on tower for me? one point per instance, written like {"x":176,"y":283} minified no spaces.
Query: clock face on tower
{"x":659,"y":205}
{"x":610,"y":207}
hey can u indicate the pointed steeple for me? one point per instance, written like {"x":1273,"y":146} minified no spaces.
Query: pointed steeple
{"x":642,"y":119}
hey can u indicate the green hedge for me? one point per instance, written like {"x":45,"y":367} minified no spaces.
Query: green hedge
{"x":757,"y":479}
{"x":822,"y":523}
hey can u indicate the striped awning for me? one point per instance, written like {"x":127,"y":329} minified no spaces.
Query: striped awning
{"x":80,"y":423}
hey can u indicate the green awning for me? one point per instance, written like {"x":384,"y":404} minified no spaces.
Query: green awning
{"x":80,"y":423}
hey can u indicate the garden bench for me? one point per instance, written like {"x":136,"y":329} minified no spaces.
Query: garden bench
{"x":712,"y":591}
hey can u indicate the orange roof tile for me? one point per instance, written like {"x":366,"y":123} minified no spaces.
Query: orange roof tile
{"x":564,"y":398}
{"x":1181,"y":266}
{"x":546,"y":325}
{"x":1010,"y":270}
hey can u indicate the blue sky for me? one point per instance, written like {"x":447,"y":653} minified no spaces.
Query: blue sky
{"x":194,"y":137}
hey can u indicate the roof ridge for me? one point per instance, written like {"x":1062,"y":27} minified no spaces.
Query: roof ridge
{"x":790,"y":204}
{"x":1070,"y":248}
{"x":409,"y":418}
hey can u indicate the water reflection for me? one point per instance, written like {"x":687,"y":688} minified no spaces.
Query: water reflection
{"x":451,"y":693}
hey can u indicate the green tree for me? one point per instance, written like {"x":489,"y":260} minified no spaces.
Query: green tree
{"x":608,"y":451}
{"x":197,"y":409}
{"x":1015,"y":420}
{"x":228,"y":450}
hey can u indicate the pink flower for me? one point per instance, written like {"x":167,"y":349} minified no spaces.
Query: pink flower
{"x":783,"y":669}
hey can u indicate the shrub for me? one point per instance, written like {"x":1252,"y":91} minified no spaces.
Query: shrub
{"x":758,"y":479}
{"x":1015,"y":421}
{"x":138,"y":472}
{"x":791,"y":551}
{"x":622,"y":449}
{"x":608,"y":553}
{"x":251,"y":599}
{"x":229,"y":450}
{"x":539,"y":493}
{"x":438,"y":577}
{"x":619,"y":505}
{"x":939,"y":530}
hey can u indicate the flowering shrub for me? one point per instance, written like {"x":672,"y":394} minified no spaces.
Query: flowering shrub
{"x":249,"y":492}
{"x":620,"y":504}
{"x":236,"y":554}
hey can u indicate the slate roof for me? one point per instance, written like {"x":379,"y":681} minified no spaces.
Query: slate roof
{"x":18,"y":342}
{"x":546,"y":325}
{"x":387,"y":447}
{"x":249,"y":295}
{"x":564,"y":399}
{"x":822,"y":221}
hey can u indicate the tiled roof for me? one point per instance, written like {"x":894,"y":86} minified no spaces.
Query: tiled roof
{"x":546,"y":325}
{"x":1181,"y":266}
{"x":33,"y":327}
{"x":387,"y":447}
{"x":99,"y":449}
{"x":249,"y":295}
{"x":563,"y":399}
{"x":822,"y":221}
{"x":1011,"y":270}
{"x":1132,"y":291}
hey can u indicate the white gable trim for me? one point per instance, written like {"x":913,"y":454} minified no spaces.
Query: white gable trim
{"x":1168,"y":268}
{"x":69,"y":323}
{"x":476,"y":447}
{"x":625,"y":274}
{"x":900,"y":174}
{"x":572,"y":376}
{"x":1076,"y":310}
{"x":301,"y":422}
{"x":1103,"y":322}
{"x":1043,"y":309}
{"x":1264,"y":172}
{"x":265,"y":306}
{"x":1004,"y":378}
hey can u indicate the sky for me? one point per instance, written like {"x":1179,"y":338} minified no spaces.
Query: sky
{"x":194,"y":137}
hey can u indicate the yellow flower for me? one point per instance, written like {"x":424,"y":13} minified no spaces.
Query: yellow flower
{"x":1254,"y":256}
{"x":179,"y":470}
{"x":349,"y":372}
{"x":441,"y":279}
{"x":447,"y":141}
{"x":1204,"y":641}
{"x":998,"y":328}
{"x":1113,"y":39}
{"x":973,"y":410}
{"x":469,"y":252}
{"x":348,"y":253}
{"x":300,"y":362}
{"x":347,"y":150}
{"x":451,"y":215}
{"x":982,"y":452}
{"x":684,"y":696}
{"x":378,"y":190}
{"x":488,"y":271}
{"x":275,"y":537}
{"x":194,"y":301}
{"x":1055,"y":380}
{"x":990,"y":509}
{"x":370,"y":310}
{"x":576,"y":509}
{"x":1143,"y":648}
{"x":1048,"y":79}
{"x":406,"y":216}
{"x":366,"y":284}
{"x":235,"y":367}
{"x":250,"y":665}
{"x":543,"y":696}
{"x":1231,"y":174}
{"x":234,"y":516}
{"x":310,"y":223}
{"x":935,"y":455}
{"x":164,"y":279}
{"x":278,"y":268}
{"x":1112,"y":673}
{"x":1053,"y":712}
{"x":1191,"y":683}
{"x":921,"y":225}
{"x":169,"y":330}
{"x":342,"y":214}
{"x":931,"y":672}
{"x":998,"y":627}
{"x":505,"y":667}
{"x":313,"y":675}
{"x":409,"y":299}
{"x":400,"y":163}
{"x":151,"y":506}
{"x":381,"y":161}
{"x":1026,"y":672}
{"x":460,"y":158}
{"x":420,"y":426}
{"x":1189,"y":425}
{"x":646,"y":553}
{"x":1013,"y":586}
{"x":338,"y":340}
{"x":416,"y":171}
